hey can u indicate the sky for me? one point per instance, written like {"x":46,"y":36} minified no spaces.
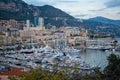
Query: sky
{"x":84,"y":9}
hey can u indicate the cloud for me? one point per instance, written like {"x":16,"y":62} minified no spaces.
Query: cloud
{"x":102,"y":9}
{"x":50,"y":2}
{"x":91,"y":1}
{"x":40,"y":2}
{"x":83,"y":8}
{"x":68,"y":1}
{"x":80,"y":15}
{"x":112,"y":3}
{"x":118,"y":13}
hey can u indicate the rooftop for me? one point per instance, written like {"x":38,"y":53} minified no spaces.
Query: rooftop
{"x":15,"y":71}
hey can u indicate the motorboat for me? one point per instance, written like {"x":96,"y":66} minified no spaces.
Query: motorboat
{"x":27,"y":51}
{"x":70,"y":50}
{"x":95,"y":47}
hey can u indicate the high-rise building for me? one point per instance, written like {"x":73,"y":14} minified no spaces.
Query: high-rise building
{"x":41,"y":22}
{"x":36,"y":14}
{"x":35,"y":21}
{"x":28,"y":24}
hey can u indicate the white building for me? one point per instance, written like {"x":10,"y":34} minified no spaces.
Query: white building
{"x":71,"y":31}
{"x":59,"y":39}
{"x":41,"y":22}
{"x":28,"y":24}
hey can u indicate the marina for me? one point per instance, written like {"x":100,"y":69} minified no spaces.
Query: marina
{"x":46,"y":57}
{"x":59,"y":40}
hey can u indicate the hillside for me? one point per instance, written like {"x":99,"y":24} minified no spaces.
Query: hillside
{"x":103,"y":25}
{"x":105,"y":20}
{"x":19,"y":10}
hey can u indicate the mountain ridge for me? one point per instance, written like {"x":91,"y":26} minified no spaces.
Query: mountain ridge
{"x":19,"y":10}
{"x":105,"y":20}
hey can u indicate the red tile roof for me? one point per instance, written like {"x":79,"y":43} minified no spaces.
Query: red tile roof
{"x":15,"y":71}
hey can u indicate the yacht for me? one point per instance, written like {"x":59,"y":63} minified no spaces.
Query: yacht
{"x":27,"y":51}
{"x":70,"y":50}
{"x":94,"y":47}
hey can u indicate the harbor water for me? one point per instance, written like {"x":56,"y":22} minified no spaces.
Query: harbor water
{"x":96,"y":57}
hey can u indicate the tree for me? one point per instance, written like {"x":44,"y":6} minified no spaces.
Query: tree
{"x":12,"y":78}
{"x":112,"y":71}
{"x":40,"y":74}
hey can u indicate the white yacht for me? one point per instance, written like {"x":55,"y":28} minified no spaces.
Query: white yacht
{"x":27,"y":51}
{"x":70,"y":50}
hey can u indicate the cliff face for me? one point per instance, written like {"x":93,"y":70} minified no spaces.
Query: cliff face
{"x":19,"y":10}
{"x":15,"y":9}
{"x":12,"y":5}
